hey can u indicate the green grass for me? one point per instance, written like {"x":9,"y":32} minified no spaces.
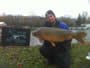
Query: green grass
{"x":31,"y":58}
{"x":79,"y":53}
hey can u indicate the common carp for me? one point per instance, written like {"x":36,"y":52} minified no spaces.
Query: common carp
{"x":57,"y":35}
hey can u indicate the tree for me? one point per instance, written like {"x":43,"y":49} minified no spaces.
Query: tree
{"x":79,"y":20}
{"x":85,"y":17}
{"x":82,"y":19}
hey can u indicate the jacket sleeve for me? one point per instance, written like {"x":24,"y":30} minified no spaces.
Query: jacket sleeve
{"x":62,"y":25}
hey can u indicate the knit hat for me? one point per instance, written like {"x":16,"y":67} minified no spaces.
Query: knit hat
{"x":49,"y":12}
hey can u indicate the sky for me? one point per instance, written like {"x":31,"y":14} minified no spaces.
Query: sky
{"x":69,"y":8}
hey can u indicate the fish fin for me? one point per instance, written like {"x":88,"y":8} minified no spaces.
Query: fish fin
{"x":82,"y":34}
{"x":53,"y":44}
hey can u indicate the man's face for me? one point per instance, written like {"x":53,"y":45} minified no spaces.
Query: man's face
{"x":50,"y":18}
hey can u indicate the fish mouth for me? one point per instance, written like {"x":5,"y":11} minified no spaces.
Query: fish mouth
{"x":34,"y":33}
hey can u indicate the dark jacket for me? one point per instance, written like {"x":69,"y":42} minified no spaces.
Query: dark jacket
{"x":64,"y":46}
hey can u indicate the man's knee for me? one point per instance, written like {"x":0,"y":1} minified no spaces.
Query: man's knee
{"x":63,"y":61}
{"x":45,"y":52}
{"x":41,"y":50}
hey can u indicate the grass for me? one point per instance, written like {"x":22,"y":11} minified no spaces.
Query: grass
{"x":17,"y":57}
{"x":79,"y":53}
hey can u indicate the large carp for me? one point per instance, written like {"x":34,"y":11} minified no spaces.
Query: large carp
{"x":57,"y":35}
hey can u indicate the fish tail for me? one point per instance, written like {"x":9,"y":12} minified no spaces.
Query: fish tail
{"x":80,"y":36}
{"x":81,"y":40}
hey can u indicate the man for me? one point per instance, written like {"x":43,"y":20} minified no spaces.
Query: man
{"x":58,"y":55}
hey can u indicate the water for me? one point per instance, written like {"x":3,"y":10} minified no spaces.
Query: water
{"x":88,"y":35}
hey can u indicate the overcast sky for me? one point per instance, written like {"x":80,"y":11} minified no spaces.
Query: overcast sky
{"x":39,"y":7}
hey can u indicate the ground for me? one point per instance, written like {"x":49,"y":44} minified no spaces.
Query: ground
{"x":24,"y":57}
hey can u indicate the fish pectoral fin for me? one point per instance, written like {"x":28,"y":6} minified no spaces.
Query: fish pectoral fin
{"x":81,"y":40}
{"x":53,"y":44}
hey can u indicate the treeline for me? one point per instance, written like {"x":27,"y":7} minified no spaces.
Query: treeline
{"x":38,"y":21}
{"x":11,"y":20}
